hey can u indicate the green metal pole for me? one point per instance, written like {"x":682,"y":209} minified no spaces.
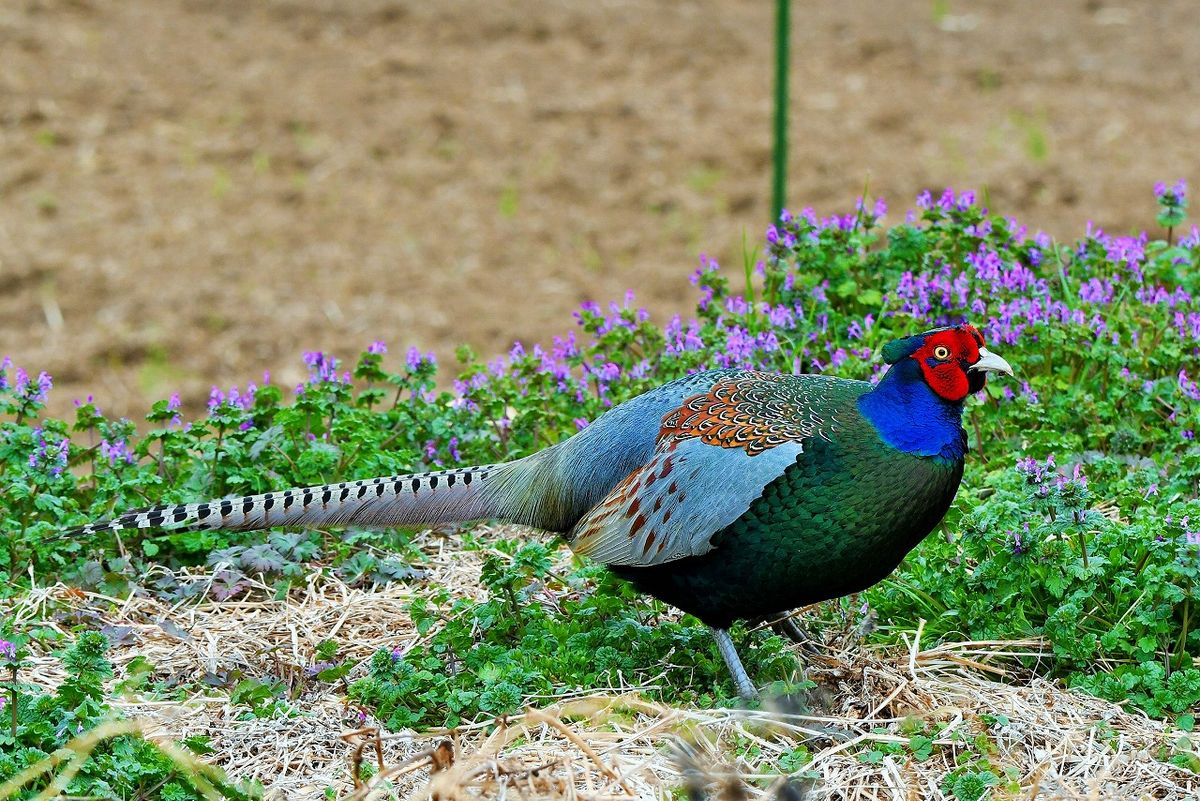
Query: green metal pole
{"x":779,"y":177}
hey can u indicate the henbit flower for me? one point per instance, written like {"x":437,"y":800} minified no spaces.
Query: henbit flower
{"x":780,"y":316}
{"x":1191,"y":240}
{"x":377,"y":348}
{"x":8,"y":650}
{"x":52,"y":457}
{"x":215,"y":398}
{"x":736,"y":304}
{"x":1187,"y":387}
{"x":116,"y":451}
{"x":322,"y":368}
{"x":23,"y":387}
{"x":608,"y":372}
{"x":1018,"y":547}
{"x":1177,"y":192}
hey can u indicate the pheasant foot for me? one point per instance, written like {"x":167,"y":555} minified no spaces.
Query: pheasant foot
{"x":745,"y":687}
{"x":789,"y":628}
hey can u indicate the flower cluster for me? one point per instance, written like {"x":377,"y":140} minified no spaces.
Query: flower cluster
{"x":50,"y":456}
{"x":1172,"y":203}
{"x":322,"y":369}
{"x":28,"y":393}
{"x":116,"y":451}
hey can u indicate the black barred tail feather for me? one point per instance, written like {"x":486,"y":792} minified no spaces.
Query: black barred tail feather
{"x":461,"y":494}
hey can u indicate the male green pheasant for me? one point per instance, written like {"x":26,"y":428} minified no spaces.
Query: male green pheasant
{"x":728,"y":494}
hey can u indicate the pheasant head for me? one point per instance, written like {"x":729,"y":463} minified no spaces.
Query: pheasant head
{"x":952,"y":361}
{"x":917,"y":405}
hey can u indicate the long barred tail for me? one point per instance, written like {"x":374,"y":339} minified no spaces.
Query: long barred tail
{"x":468,"y":493}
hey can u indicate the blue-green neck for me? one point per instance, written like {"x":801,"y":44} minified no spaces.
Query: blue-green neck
{"x":910,"y":417}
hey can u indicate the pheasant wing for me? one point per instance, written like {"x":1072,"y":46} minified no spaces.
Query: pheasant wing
{"x":715,"y":455}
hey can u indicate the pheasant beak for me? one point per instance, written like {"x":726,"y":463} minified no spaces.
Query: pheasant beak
{"x":991,"y":363}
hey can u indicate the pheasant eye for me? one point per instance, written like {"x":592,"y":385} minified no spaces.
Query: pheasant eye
{"x":941,"y":352}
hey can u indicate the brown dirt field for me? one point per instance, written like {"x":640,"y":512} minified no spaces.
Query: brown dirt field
{"x":192,"y":192}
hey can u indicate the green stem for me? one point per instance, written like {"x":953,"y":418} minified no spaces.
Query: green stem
{"x":12,"y":700}
{"x":779,"y":161}
{"x":1182,"y":646}
{"x":217,"y":483}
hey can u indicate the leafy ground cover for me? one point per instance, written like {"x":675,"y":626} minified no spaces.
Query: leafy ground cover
{"x":1074,"y":527}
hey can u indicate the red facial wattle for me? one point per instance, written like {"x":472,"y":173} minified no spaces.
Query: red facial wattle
{"x":945,"y":358}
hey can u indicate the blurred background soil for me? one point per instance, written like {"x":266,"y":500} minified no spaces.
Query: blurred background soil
{"x":192,"y":192}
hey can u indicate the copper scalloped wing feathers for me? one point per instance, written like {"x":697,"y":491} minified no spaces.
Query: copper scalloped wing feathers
{"x":671,"y":507}
{"x":715,"y":454}
{"x":754,"y":411}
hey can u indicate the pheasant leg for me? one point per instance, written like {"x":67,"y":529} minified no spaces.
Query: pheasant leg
{"x":786,"y":627}
{"x":789,"y":628}
{"x":745,"y":687}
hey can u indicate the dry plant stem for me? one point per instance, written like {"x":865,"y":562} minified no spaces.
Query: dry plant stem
{"x":440,"y":757}
{"x":537,"y":716}
{"x":361,"y":739}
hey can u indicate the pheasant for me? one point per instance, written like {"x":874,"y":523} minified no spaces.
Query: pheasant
{"x":728,"y":494}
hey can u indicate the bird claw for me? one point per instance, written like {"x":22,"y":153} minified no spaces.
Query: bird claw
{"x":789,"y":629}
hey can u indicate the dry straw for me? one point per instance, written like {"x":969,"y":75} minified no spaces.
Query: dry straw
{"x":615,"y":745}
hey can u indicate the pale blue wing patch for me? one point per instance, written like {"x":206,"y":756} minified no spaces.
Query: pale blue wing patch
{"x":671,"y":507}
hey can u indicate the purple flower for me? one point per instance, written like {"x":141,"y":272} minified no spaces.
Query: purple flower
{"x":609,"y":372}
{"x":1191,"y":240}
{"x":452,"y":449}
{"x":1178,"y":191}
{"x":1018,"y":546}
{"x":8,"y":650}
{"x":581,"y":423}
{"x":708,"y":265}
{"x":51,"y":457}
{"x":322,"y":368}
{"x":377,"y":348}
{"x":116,"y":451}
{"x":25,"y":389}
{"x":1187,"y":387}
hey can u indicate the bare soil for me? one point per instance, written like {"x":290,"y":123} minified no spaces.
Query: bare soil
{"x":192,"y":192}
